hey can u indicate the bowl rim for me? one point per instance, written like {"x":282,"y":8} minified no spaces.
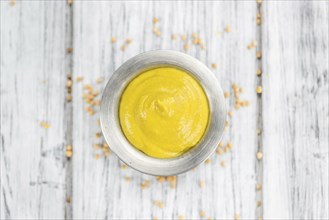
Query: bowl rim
{"x":109,"y":113}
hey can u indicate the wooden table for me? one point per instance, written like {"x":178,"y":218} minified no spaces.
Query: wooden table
{"x":288,"y":122}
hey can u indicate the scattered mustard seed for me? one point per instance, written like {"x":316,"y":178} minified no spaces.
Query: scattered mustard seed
{"x":222,"y":164}
{"x":106,"y":150}
{"x":69,"y":50}
{"x":172,"y":180}
{"x":70,"y":2}
{"x":88,"y":87}
{"x":69,"y":98}
{"x":259,"y":89}
{"x":145,"y":184}
{"x":259,"y":1}
{"x":161,"y":179}
{"x":183,"y":37}
{"x":12,"y":3}
{"x":219,"y":150}
{"x":259,"y":72}
{"x":99,"y":134}
{"x":259,"y":203}
{"x":127,"y":178}
{"x":113,"y":40}
{"x":96,"y":146}
{"x":44,"y":124}
{"x":90,"y":110}
{"x":69,"y":83}
{"x":226,"y":94}
{"x":258,"y":186}
{"x":252,"y":45}
{"x":196,"y":41}
{"x":230,"y":113}
{"x":214,"y":66}
{"x":69,"y":154}
{"x":236,"y":216}
{"x":97,"y":156}
{"x":237,"y":106}
{"x":69,"y":147}
{"x":97,"y":102}
{"x":202,"y":46}
{"x":227,"y":29}
{"x":69,"y":151}
{"x":158,"y":204}
{"x":173,"y":36}
{"x":155,"y":20}
{"x":258,"y":17}
{"x":254,"y":42}
{"x":259,"y":55}
{"x":259,"y":155}
{"x":208,"y":161}
{"x":202,"y":214}
{"x":201,"y":183}
{"x":79,"y":78}
{"x":180,"y":217}
{"x":128,"y":41}
{"x":99,"y":80}
{"x":258,"y":21}
{"x":156,"y":31}
{"x":186,"y":46}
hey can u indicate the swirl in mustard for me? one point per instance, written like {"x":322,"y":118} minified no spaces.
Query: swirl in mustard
{"x":164,"y":112}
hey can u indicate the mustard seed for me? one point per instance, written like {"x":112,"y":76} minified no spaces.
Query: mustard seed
{"x":259,"y":155}
{"x":259,"y":72}
{"x":259,"y":89}
{"x":259,"y":55}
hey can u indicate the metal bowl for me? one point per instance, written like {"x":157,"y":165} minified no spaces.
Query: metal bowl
{"x":110,"y":123}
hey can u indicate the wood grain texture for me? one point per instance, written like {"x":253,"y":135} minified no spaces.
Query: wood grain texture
{"x":32,"y":90}
{"x":36,"y":177}
{"x":296,"y":110}
{"x":100,"y":190}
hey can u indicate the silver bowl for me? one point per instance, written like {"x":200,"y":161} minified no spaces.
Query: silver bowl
{"x":110,"y":123}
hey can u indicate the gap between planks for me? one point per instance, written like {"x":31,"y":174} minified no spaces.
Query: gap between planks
{"x":259,"y":118}
{"x":68,"y":112}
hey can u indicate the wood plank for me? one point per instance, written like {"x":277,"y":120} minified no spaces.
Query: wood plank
{"x":100,"y":190}
{"x":296,"y":110}
{"x":32,"y":90}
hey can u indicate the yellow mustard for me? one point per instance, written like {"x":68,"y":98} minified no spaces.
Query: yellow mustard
{"x":164,"y":112}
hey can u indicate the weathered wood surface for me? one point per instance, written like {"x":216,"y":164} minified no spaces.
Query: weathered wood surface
{"x":36,"y":177}
{"x":99,"y":187}
{"x":32,"y":90}
{"x":296,"y":108}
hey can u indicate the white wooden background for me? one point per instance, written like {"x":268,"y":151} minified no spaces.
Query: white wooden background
{"x":38,"y":181}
